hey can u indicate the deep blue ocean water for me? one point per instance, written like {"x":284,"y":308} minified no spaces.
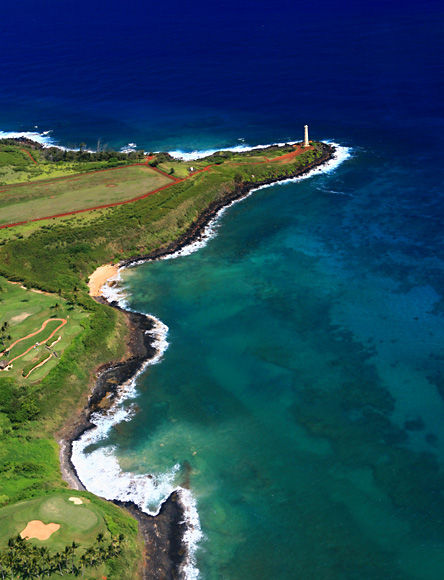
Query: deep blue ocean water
{"x":301,"y":396}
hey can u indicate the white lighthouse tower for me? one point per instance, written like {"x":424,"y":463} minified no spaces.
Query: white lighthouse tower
{"x":306,"y":143}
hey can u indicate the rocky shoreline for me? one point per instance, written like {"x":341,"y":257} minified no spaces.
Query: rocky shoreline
{"x":165,"y":551}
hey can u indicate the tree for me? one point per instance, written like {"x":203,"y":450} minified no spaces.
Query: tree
{"x":84,"y":562}
{"x":59,"y":561}
{"x":100,"y":537}
{"x":73,"y":548}
{"x":3,"y":565}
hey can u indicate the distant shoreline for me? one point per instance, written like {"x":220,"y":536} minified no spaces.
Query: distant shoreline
{"x":169,"y":555}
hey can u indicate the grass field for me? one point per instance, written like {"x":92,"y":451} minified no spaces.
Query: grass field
{"x":24,"y":312}
{"x":29,"y":201}
{"x":78,"y":523}
{"x":20,"y":163}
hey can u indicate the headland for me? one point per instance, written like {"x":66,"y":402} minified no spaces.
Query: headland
{"x":148,"y":228}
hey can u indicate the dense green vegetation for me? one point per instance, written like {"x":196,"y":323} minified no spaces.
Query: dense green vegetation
{"x":58,"y":256}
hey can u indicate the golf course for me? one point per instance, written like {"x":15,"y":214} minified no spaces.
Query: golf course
{"x":35,"y":329}
{"x":60,"y":534}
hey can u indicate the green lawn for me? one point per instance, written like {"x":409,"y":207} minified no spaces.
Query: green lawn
{"x":81,"y":524}
{"x":30,"y":201}
{"x":24,"y":312}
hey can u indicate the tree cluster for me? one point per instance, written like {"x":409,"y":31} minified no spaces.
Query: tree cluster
{"x":55,"y":154}
{"x":17,"y":403}
{"x":24,"y":560}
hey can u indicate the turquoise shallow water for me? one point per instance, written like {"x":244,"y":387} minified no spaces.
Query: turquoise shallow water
{"x":300,"y":395}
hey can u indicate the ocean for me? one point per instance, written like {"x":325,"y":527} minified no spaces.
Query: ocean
{"x":297,"y":399}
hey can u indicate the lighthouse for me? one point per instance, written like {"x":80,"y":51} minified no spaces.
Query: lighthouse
{"x":306,"y":143}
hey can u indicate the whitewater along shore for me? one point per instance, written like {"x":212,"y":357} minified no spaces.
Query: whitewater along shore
{"x":165,"y":551}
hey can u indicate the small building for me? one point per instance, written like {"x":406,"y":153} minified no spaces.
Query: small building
{"x":3,"y":364}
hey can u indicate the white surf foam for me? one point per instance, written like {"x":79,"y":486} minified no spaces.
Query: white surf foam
{"x":129,"y":148}
{"x":115,"y":292}
{"x":42,"y":138}
{"x":192,"y":155}
{"x":99,"y":469}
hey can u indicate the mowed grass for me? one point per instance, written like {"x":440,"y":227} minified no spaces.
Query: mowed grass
{"x":78,"y":523}
{"x":25,"y":311}
{"x":81,"y":524}
{"x":29,"y":201}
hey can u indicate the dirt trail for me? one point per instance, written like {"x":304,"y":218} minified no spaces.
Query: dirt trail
{"x":29,"y":155}
{"x":283,"y":158}
{"x":62,"y":320}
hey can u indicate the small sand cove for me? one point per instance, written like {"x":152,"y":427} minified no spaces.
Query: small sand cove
{"x":99,"y":278}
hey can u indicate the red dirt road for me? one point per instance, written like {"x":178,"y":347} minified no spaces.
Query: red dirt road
{"x":30,"y":156}
{"x":284,"y":158}
{"x":62,"y":320}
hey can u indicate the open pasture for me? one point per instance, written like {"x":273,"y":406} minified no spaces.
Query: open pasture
{"x":27,"y":318}
{"x":30,"y":201}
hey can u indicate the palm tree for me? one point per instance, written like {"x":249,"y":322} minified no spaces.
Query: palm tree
{"x":59,"y":560}
{"x":90,"y":554}
{"x":45,"y":557}
{"x":33,"y":565}
{"x":83,"y":561}
{"x":100,"y":537}
{"x":102,"y":553}
{"x":2,"y":564}
{"x":73,"y":548}
{"x":111,"y":551}
{"x":10,"y":562}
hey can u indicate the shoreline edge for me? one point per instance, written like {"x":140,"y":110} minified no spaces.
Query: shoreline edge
{"x":164,"y":532}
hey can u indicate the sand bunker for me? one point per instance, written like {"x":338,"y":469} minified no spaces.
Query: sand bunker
{"x":39,"y":530}
{"x":99,"y":277}
{"x":19,"y":317}
{"x":75,"y":500}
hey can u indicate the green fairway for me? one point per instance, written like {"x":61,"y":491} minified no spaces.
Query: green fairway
{"x":24,"y":312}
{"x":90,"y":525}
{"x":29,"y":201}
{"x":80,"y":523}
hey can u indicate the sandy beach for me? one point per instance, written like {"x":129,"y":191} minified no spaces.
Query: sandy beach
{"x":99,"y":278}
